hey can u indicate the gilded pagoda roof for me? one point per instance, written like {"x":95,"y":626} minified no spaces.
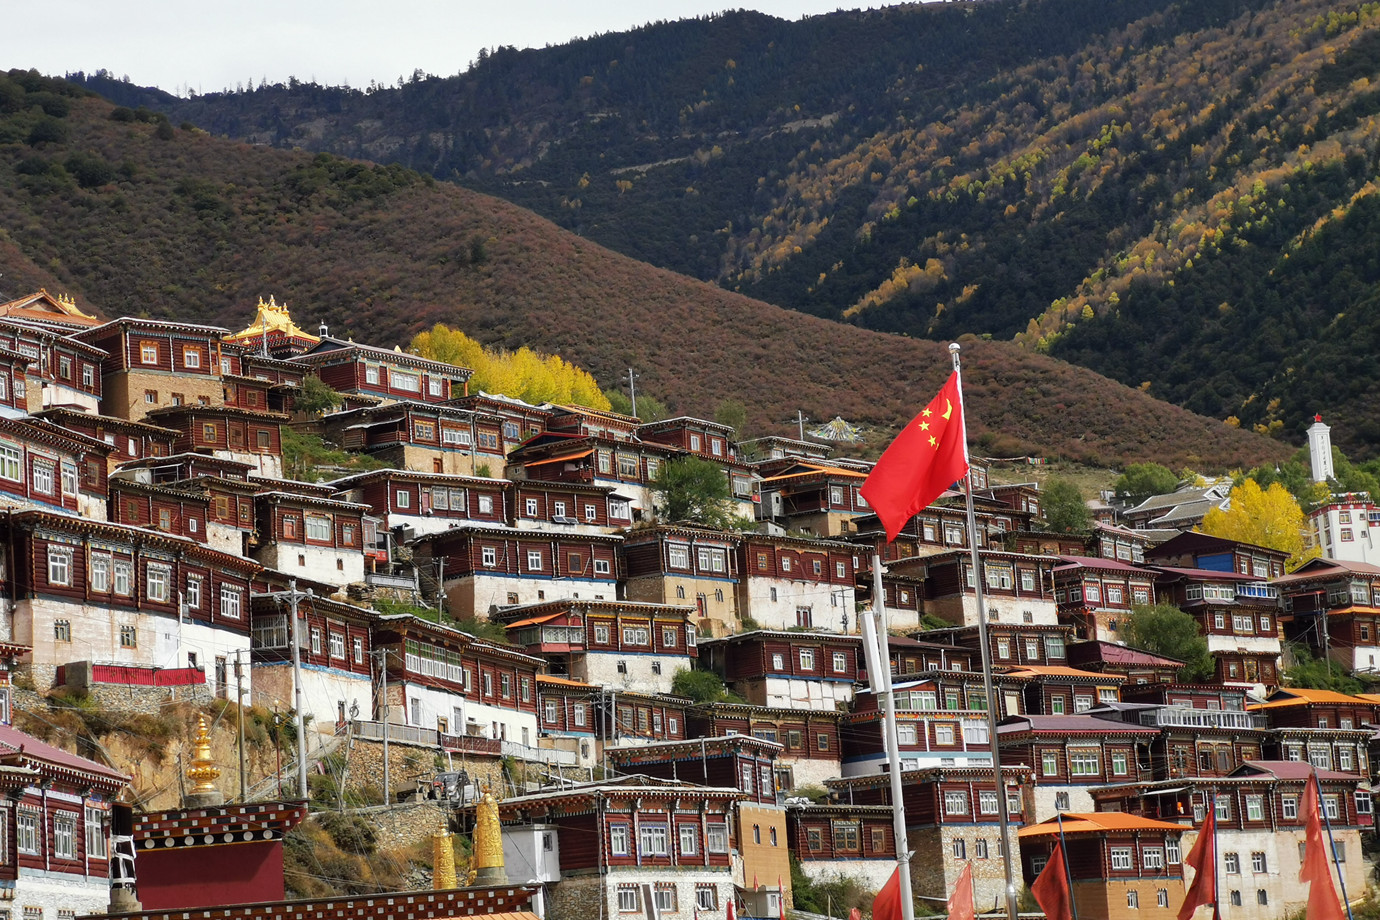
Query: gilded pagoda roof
{"x":271,"y":318}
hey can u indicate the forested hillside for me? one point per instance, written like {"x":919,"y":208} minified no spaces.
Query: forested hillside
{"x":135,"y":216}
{"x":1174,"y":192}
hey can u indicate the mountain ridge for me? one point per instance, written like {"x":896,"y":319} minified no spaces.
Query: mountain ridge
{"x":178,"y":224}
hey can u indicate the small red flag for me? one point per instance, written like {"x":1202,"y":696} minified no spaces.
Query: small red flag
{"x":854,"y":914}
{"x":731,"y":909}
{"x":1203,"y":859}
{"x":887,"y":904}
{"x":780,"y":900}
{"x":927,"y":457}
{"x":1051,"y":889}
{"x":1317,"y":864}
{"x":961,"y":901}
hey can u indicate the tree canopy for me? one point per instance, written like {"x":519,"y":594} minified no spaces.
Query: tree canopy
{"x":702,"y":687}
{"x":694,"y":490}
{"x":1166,"y":630}
{"x":1263,"y":517}
{"x":1142,"y":480}
{"x":316,"y":397}
{"x":1065,"y":509}
{"x":525,"y":374}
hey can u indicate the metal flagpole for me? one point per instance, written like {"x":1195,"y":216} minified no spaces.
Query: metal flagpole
{"x":1068,"y":868}
{"x":1331,"y":844}
{"x":878,"y":656}
{"x":1003,"y":816}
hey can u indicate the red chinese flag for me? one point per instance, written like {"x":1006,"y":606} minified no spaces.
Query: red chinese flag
{"x":1203,"y":859}
{"x":887,"y":904}
{"x":961,"y":901}
{"x":1317,"y":864}
{"x":854,"y":914}
{"x":1051,"y":889}
{"x":925,"y":459}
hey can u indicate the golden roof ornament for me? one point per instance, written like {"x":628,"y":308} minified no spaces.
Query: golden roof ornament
{"x":442,"y":859}
{"x":271,"y":317}
{"x":203,"y":772}
{"x":488,"y":843}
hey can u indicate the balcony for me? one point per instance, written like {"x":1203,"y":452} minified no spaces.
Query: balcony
{"x":1216,"y":719}
{"x":400,"y":582}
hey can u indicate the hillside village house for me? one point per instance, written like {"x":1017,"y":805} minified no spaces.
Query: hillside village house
{"x":316,"y":538}
{"x":425,"y":503}
{"x":811,"y":497}
{"x":809,"y":739}
{"x":1070,"y":755}
{"x":62,"y":371}
{"x":389,"y":375}
{"x":1122,"y":865}
{"x":838,"y":839}
{"x":151,"y":364}
{"x":620,"y":843}
{"x":126,"y":440}
{"x":54,"y":828}
{"x":483,"y":567}
{"x":619,"y":644}
{"x":1018,"y":587}
{"x":787,"y":582}
{"x":787,"y":670}
{"x":1259,"y":828}
{"x":1332,"y":607}
{"x":228,"y":433}
{"x":91,"y":591}
{"x":521,"y":420}
{"x":41,"y":465}
{"x":1204,"y":730}
{"x":951,"y":820}
{"x":425,"y":437}
{"x":1095,"y":595}
{"x":230,"y":494}
{"x":671,"y":564}
{"x":1330,"y":730}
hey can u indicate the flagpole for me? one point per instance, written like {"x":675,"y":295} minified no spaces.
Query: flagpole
{"x":1068,"y":868}
{"x":1216,"y":904}
{"x":1003,"y":816}
{"x":1331,"y":844}
{"x":877,"y":653}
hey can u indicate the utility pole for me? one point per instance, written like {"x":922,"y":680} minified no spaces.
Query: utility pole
{"x":800,"y":423}
{"x":297,"y":690}
{"x":632,"y":389}
{"x":441,"y":584}
{"x":239,"y":699}
{"x":383,"y":673}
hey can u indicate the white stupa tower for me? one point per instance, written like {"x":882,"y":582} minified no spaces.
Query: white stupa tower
{"x":1320,"y":450}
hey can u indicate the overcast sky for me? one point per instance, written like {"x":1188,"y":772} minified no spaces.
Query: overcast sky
{"x":210,"y":46}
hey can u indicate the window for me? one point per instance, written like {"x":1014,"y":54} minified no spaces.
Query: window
{"x":230,"y":602}
{"x":706,"y":897}
{"x":157,"y":577}
{"x":26,"y":832}
{"x":337,"y":641}
{"x":944,"y":733}
{"x":404,"y":499}
{"x":59,"y":565}
{"x":846,"y":835}
{"x":1234,"y":899}
{"x":628,"y":900}
{"x":602,"y":567}
{"x":1049,"y":763}
{"x":11,"y":463}
{"x":534,"y":560}
{"x":1331,"y":807}
{"x":716,"y":838}
{"x":319,"y":528}
{"x":652,"y":840}
{"x":807,"y":659}
{"x":1223,"y":808}
{"x":1121,"y":857}
{"x":1289,"y":806}
{"x":505,"y":686}
{"x":668,"y":636}
{"x":316,"y":640}
{"x":1061,"y":801}
{"x":403,"y":381}
{"x":1133,"y":899}
{"x":124,"y":575}
{"x":987,"y":802}
{"x":1171,"y":852}
{"x":100,"y":572}
{"x":1258,"y":863}
{"x":62,"y":630}
{"x":955,"y":802}
{"x":1233,"y":863}
{"x":689,"y":840}
{"x":358,"y":649}
{"x":489,"y":556}
{"x":129,"y":637}
{"x":665,"y":893}
{"x":636,"y":635}
{"x":618,"y":839}
{"x":148,"y":353}
{"x":960,"y":848}
{"x":88,"y":375}
{"x":1152,"y":858}
{"x":1255,"y":808}
{"x":95,"y":833}
{"x":601,"y":634}
{"x":65,"y":836}
{"x":42,"y":479}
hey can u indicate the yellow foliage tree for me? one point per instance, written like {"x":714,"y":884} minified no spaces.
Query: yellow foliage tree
{"x":525,"y":374}
{"x":1270,"y":517}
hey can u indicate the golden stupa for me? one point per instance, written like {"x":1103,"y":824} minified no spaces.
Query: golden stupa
{"x":273,"y":331}
{"x":203,"y":772}
{"x":488,"y":844}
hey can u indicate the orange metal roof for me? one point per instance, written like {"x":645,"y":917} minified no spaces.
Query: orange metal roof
{"x":815,"y":471}
{"x":561,"y":458}
{"x":1045,"y":670}
{"x":562,"y":681}
{"x":1302,"y":696}
{"x":534,"y":621}
{"x":1097,"y":822}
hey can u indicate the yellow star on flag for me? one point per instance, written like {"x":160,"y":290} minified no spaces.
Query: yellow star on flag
{"x":924,"y":426}
{"x":933,"y":442}
{"x":926,"y":412}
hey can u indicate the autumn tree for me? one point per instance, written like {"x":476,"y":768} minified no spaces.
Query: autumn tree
{"x":1164,"y":629}
{"x":1270,"y":517}
{"x":694,"y":490}
{"x":1065,"y":509}
{"x":316,"y":397}
{"x":525,"y":374}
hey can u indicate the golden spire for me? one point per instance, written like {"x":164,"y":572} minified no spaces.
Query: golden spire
{"x":203,"y":772}
{"x":488,"y":843}
{"x":442,"y":859}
